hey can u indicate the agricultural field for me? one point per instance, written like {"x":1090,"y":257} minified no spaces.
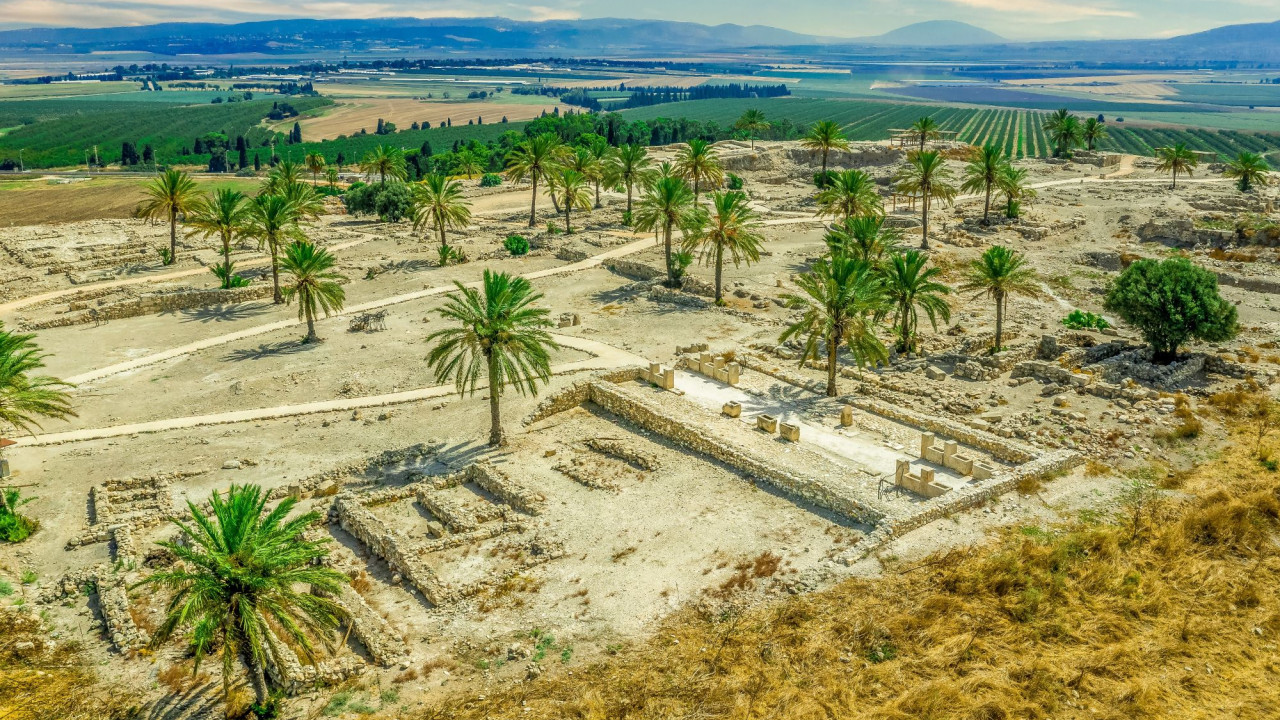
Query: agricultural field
{"x":354,"y":147}
{"x":37,"y":201}
{"x":56,"y":90}
{"x":348,"y":117}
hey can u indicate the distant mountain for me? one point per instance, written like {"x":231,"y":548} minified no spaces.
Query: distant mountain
{"x":1259,"y":42}
{"x":936,"y":33}
{"x":392,"y":35}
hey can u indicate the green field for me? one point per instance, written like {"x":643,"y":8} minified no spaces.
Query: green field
{"x":353,"y":148}
{"x":1017,"y":131}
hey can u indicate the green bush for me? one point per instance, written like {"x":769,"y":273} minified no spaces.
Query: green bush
{"x":227,"y":276}
{"x":15,"y":527}
{"x":516,"y":245}
{"x":446,"y":254}
{"x":627,"y":218}
{"x":733,"y":182}
{"x":553,"y":228}
{"x":821,"y":181}
{"x":490,"y":180}
{"x":1081,"y":320}
{"x":391,"y":202}
{"x":1171,"y":302}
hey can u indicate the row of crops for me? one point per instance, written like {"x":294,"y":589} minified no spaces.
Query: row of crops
{"x":1019,"y":132}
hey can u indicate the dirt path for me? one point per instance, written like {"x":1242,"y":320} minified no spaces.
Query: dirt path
{"x":604,"y":357}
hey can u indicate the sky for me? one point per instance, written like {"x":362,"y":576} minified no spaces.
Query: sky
{"x":1014,"y":19}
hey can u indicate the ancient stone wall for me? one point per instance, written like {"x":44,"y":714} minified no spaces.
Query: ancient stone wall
{"x":390,"y":546}
{"x":504,"y":488}
{"x":152,"y":304}
{"x":999,"y":447}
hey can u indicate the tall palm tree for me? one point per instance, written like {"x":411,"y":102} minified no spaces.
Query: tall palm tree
{"x":243,"y":572}
{"x":468,"y":164}
{"x":1064,"y":130}
{"x":1093,"y":132}
{"x":499,"y":332}
{"x":223,"y":214}
{"x":752,"y":122}
{"x":865,"y":238}
{"x":698,"y":163}
{"x":982,"y":175}
{"x":438,"y":203}
{"x":1248,"y":169}
{"x":170,"y":194}
{"x":602,"y":153}
{"x":925,"y":129}
{"x":1013,"y":185}
{"x":315,"y":163}
{"x":331,"y":174}
{"x":838,"y":298}
{"x":910,"y":285}
{"x":999,"y":273}
{"x":633,"y":168}
{"x":282,"y":177}
{"x":535,"y":158}
{"x":306,"y":201}
{"x":273,"y":220}
{"x":927,"y":177}
{"x":1178,"y":159}
{"x":25,"y":398}
{"x":667,"y":205}
{"x":849,"y":194}
{"x":825,"y":136}
{"x":315,"y":284}
{"x":574,"y":191}
{"x":384,"y":162}
{"x":731,"y":228}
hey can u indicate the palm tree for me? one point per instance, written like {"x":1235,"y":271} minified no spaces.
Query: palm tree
{"x":731,"y":228}
{"x":999,"y":273}
{"x":925,"y":129}
{"x":838,"y":298}
{"x":468,"y":164}
{"x":1177,"y":159}
{"x":1093,"y":132}
{"x":500,"y":332}
{"x":698,"y":163}
{"x":574,"y":192}
{"x":244,"y":572}
{"x":752,"y":122}
{"x":982,"y":174}
{"x":438,"y":203}
{"x":282,"y":177}
{"x":851,"y":193}
{"x":315,"y":284}
{"x":331,"y":174}
{"x":1013,"y":185}
{"x":926,"y":176}
{"x":602,"y":153}
{"x":306,"y":201}
{"x":1064,"y":130}
{"x":25,"y":398}
{"x":865,"y":238}
{"x":385,"y":162}
{"x":909,"y":286}
{"x":633,"y":167}
{"x":170,"y":194}
{"x":666,"y":205}
{"x":315,"y":163}
{"x":824,"y":137}
{"x":224,"y":214}
{"x":273,"y":220}
{"x":1248,"y":169}
{"x":535,"y":158}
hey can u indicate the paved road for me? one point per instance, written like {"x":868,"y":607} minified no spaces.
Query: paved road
{"x":603,"y":357}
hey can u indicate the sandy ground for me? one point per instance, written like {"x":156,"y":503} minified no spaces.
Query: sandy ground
{"x":193,"y":390}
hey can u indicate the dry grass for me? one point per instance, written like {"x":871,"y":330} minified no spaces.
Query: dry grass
{"x":1232,"y":255}
{"x":44,"y":683}
{"x":1172,"y":618}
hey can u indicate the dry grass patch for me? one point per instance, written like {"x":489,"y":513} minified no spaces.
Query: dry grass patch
{"x":1165,"y":611}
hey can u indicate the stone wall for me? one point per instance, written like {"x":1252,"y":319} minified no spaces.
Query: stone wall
{"x":384,"y":646}
{"x":154,"y":303}
{"x":390,"y":546}
{"x":635,"y":270}
{"x":113,"y":600}
{"x":504,"y":488}
{"x":578,"y":393}
{"x":999,"y":447}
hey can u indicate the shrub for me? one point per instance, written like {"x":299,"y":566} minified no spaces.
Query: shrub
{"x":1170,"y":302}
{"x":490,"y":180}
{"x":553,"y":228}
{"x":680,"y":263}
{"x":1013,"y":210}
{"x":822,"y":181}
{"x":15,"y":527}
{"x":227,"y":276}
{"x":1081,"y":320}
{"x":516,"y":245}
{"x":446,"y":254}
{"x":627,"y":218}
{"x":391,"y":202}
{"x":733,"y":181}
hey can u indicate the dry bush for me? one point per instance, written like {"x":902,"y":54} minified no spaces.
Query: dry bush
{"x":1232,"y":255}
{"x":178,"y":678}
{"x":1094,"y":468}
{"x":1171,"y":617}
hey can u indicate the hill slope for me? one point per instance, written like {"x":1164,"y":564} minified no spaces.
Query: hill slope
{"x":938,"y":32}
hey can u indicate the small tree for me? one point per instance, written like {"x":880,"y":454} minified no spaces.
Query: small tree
{"x":315,"y":284}
{"x":1171,"y":302}
{"x":438,"y":203}
{"x":982,"y":175}
{"x":170,"y":194}
{"x":731,"y":228}
{"x":924,"y":130}
{"x":999,"y":273}
{"x":1178,"y":159}
{"x":824,"y":137}
{"x":633,"y":167}
{"x":536,"y":159}
{"x":1248,"y":169}
{"x":849,"y":194}
{"x":574,"y":191}
{"x":224,"y":215}
{"x":315,"y":163}
{"x":752,"y":122}
{"x":698,"y":163}
{"x":838,"y":300}
{"x":926,"y":176}
{"x":910,"y":287}
{"x":667,"y":205}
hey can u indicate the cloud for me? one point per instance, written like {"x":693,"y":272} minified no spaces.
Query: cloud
{"x":1048,"y":9}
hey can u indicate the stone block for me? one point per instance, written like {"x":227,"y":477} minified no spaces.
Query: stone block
{"x":733,"y":372}
{"x":767,"y":423}
{"x":846,"y":416}
{"x":789,"y":432}
{"x":733,"y":409}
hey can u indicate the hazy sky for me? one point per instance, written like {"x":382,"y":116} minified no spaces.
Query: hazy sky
{"x":1020,"y":19}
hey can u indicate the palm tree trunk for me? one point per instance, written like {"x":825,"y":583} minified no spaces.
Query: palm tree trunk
{"x":986,"y":210}
{"x":442,"y":239}
{"x":628,"y":198}
{"x":497,"y":438}
{"x":598,"y":205}
{"x":924,"y":224}
{"x":1175,"y":178}
{"x":671,"y":271}
{"x":999,"y":321}
{"x":258,"y":678}
{"x":173,"y":233}
{"x":695,"y":189}
{"x":824,"y":167}
{"x":226,"y":261}
{"x":719,"y":273}
{"x":277,"y":297}
{"x":567,"y":206}
{"x":533,"y":204}
{"x":832,"y":347}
